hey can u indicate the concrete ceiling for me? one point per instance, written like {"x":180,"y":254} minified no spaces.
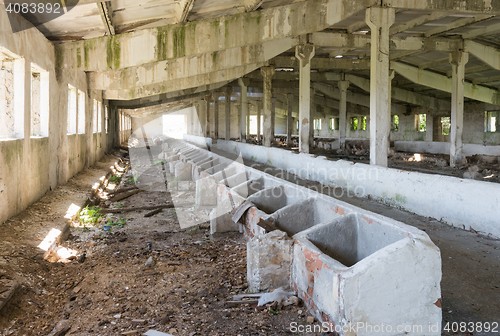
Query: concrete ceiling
{"x":422,"y":36}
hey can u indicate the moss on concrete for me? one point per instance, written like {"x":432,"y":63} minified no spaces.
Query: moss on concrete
{"x":113,"y":52}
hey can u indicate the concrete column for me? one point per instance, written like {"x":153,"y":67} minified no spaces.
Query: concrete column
{"x":216,"y":115}
{"x":243,"y":83}
{"x":273,"y":119}
{"x":304,"y":52}
{"x":429,"y":127}
{"x":458,"y":60}
{"x":208,"y":124}
{"x":227,"y":107}
{"x":379,"y":20}
{"x":267,"y":73}
{"x":202,"y":117}
{"x":259,"y":109}
{"x":343,"y":85}
{"x":289,"y":119}
{"x":313,"y":109}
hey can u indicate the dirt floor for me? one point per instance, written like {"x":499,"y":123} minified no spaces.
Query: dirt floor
{"x":141,"y":273}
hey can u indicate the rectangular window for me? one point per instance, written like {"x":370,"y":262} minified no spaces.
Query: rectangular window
{"x":7,"y":113}
{"x":106,"y":118}
{"x":81,"y":112}
{"x":72,"y":109}
{"x":39,"y":102}
{"x":395,"y":123}
{"x":362,"y":125}
{"x":94,"y":117}
{"x":317,"y":124}
{"x":333,"y":124}
{"x":99,"y":117}
{"x":445,"y":125}
{"x":420,"y":122}
{"x":492,"y":121}
{"x":354,"y":123}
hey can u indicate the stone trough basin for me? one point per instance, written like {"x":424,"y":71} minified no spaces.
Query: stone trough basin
{"x":369,"y":275}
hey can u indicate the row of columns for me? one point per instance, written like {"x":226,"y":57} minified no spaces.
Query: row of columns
{"x":379,"y":20}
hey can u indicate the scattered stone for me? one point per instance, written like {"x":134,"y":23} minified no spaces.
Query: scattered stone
{"x":150,"y":262}
{"x":131,"y":332}
{"x":292,"y":301}
{"x":310,"y":319}
{"x":61,"y":328}
{"x":472,"y":172}
{"x":117,"y":316}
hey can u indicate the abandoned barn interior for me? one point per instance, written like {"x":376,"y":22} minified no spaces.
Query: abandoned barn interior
{"x":255,"y":167}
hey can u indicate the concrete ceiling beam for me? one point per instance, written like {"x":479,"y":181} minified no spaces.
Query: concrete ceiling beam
{"x":403,"y":95}
{"x":486,"y":54}
{"x":182,"y":83}
{"x":408,"y":43}
{"x":183,"y":9}
{"x":459,"y":23}
{"x":184,"y":67}
{"x":451,"y":6}
{"x":443,"y":83}
{"x":489,"y":30}
{"x":206,"y":36}
{"x":323,"y":63}
{"x":106,"y":13}
{"x":421,"y":20}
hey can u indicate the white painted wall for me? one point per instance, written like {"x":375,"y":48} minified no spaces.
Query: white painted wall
{"x":460,"y":202}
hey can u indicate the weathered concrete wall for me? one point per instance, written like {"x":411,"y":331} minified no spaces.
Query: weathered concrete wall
{"x":459,"y":202}
{"x":437,"y":147}
{"x":30,"y":166}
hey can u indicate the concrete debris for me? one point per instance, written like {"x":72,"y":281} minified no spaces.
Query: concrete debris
{"x":156,"y":333}
{"x":61,"y":328}
{"x":292,"y":301}
{"x":472,"y":172}
{"x":277,"y":295}
{"x":150,"y":262}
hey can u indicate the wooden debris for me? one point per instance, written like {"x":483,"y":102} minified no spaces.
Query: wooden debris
{"x":266,"y":225}
{"x":152,"y":207}
{"x":154,"y":212}
{"x":119,"y":197}
{"x":241,"y":302}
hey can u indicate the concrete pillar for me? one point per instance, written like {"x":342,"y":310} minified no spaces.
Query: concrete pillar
{"x":289,"y":119}
{"x":273,"y":119}
{"x":304,"y":52}
{"x":313,"y":109}
{"x":379,"y":20}
{"x":227,"y":107}
{"x":202,"y":117}
{"x":208,"y":122}
{"x":429,"y":127}
{"x":243,"y":83}
{"x":267,"y":74}
{"x":343,"y":85}
{"x":216,"y":115}
{"x":259,"y":109}
{"x":458,"y":59}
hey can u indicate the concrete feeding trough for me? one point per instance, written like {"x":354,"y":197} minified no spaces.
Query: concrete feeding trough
{"x":304,"y":214}
{"x":359,"y":272}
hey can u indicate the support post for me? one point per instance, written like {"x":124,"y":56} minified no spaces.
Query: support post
{"x":259,"y":110}
{"x":273,"y":120}
{"x":379,"y":20}
{"x":304,"y":53}
{"x":429,"y":127}
{"x":458,"y":59}
{"x":216,"y":115}
{"x":243,"y":83}
{"x":267,"y":74}
{"x":207,"y":125}
{"x":227,"y":107}
{"x":289,"y":119}
{"x":343,"y":85}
